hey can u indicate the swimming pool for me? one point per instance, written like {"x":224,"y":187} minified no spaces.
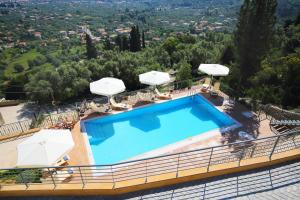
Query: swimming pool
{"x":122,"y":136}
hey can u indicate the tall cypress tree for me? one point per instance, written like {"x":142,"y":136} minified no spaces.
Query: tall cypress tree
{"x":135,"y":39}
{"x":91,"y":51}
{"x":143,"y":39}
{"x":132,"y":39}
{"x":125,"y":43}
{"x":138,"y":39}
{"x":253,"y":36}
{"x":107,"y":44}
{"x":119,"y":42}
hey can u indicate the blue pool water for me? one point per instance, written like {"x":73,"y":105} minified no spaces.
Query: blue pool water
{"x":119,"y":137}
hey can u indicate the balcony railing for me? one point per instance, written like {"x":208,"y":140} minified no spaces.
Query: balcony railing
{"x":43,"y":121}
{"x":147,"y":170}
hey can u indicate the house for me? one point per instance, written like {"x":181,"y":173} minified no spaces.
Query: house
{"x":71,"y":32}
{"x":63,"y":33}
{"x":22,"y":44}
{"x":38,"y":35}
{"x":123,"y":31}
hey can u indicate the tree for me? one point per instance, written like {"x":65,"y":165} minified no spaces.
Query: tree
{"x":107,"y":44}
{"x":291,"y":82}
{"x":119,"y":42}
{"x":143,"y":39}
{"x":125,"y":43}
{"x":255,"y":29}
{"x":18,"y":68}
{"x":135,"y":39}
{"x":90,"y":48}
{"x":122,"y":42}
{"x":170,"y":46}
{"x":297,"y":21}
{"x":43,"y":86}
{"x":65,"y":82}
{"x":227,"y":55}
{"x":184,"y":74}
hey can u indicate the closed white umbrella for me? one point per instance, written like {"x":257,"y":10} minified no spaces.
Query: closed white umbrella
{"x":107,"y":86}
{"x":154,"y":78}
{"x":44,"y":148}
{"x":214,"y":69}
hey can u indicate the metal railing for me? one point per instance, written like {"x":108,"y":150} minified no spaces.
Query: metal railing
{"x":43,"y":121}
{"x":146,"y":169}
{"x":46,"y":120}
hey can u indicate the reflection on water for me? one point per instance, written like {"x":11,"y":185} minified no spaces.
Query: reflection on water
{"x":98,"y":133}
{"x":205,"y":115}
{"x":146,"y":123}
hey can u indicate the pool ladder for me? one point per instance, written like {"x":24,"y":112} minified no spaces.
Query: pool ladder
{"x":192,"y":93}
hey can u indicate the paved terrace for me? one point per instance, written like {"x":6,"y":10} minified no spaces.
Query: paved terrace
{"x":80,"y":154}
{"x":276,"y":182}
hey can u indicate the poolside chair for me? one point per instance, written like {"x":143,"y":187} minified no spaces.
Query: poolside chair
{"x":215,"y":90}
{"x":118,"y":106}
{"x":145,"y":97}
{"x":132,"y":99}
{"x":162,"y":95}
{"x":63,"y":161}
{"x":205,"y":86}
{"x":98,"y":109}
{"x":59,"y":165}
{"x":63,"y":175}
{"x":1,"y":120}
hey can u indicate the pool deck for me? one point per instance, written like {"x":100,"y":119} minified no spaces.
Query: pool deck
{"x":258,"y":129}
{"x":81,"y":155}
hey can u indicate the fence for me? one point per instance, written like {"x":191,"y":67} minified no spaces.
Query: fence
{"x":146,"y":169}
{"x":43,"y":121}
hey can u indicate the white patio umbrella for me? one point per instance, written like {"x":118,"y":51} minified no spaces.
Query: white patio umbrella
{"x":107,"y":86}
{"x":154,"y":78}
{"x":214,"y":69}
{"x":44,"y":148}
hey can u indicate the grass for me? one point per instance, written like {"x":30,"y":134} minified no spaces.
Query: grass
{"x":22,"y":59}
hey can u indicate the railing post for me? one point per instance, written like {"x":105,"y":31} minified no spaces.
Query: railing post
{"x":241,"y":156}
{"x":252,"y":150}
{"x":209,"y":161}
{"x":51,"y":175}
{"x":112,"y":176}
{"x":23,"y":180}
{"x":177,"y":170}
{"x":21,"y":127}
{"x":51,"y":119}
{"x":83,"y":183}
{"x":146,"y":179}
{"x":273,"y":149}
{"x":34,"y":116}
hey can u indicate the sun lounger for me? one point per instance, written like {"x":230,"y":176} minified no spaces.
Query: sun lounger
{"x":145,"y":97}
{"x":63,"y":175}
{"x":98,"y":109}
{"x":118,"y":106}
{"x":245,"y":136}
{"x":59,"y":165}
{"x":162,"y":95}
{"x":228,"y":104}
{"x":63,"y":160}
{"x":215,"y":90}
{"x":205,"y":86}
{"x":286,"y":122}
